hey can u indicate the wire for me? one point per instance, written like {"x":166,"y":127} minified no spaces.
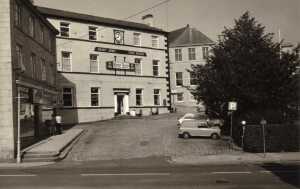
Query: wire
{"x":135,"y":14}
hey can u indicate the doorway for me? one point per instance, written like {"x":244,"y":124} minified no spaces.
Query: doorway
{"x":121,"y":104}
{"x":120,"y":107}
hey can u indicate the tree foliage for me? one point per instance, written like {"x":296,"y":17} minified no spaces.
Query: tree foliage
{"x":247,"y":67}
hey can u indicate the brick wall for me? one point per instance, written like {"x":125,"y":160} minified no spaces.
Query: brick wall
{"x":6,"y":89}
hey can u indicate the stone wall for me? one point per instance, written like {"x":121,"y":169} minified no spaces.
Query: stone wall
{"x":6,"y":88}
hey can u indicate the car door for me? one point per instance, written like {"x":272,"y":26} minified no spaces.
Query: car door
{"x":201,"y":128}
{"x":206,"y":130}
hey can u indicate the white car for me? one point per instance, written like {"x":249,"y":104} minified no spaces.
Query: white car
{"x":197,"y":116}
{"x":193,"y":128}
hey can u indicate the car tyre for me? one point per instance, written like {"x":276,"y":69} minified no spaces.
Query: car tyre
{"x":215,"y":136}
{"x":186,"y":135}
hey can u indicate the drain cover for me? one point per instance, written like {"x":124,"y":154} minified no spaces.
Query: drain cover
{"x":144,"y":143}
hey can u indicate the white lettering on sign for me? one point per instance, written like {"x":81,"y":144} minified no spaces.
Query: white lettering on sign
{"x":232,"y":106}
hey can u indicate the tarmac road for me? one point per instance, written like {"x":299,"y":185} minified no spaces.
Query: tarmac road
{"x":147,"y":175}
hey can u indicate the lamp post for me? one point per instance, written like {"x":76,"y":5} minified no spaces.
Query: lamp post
{"x":263,"y":123}
{"x":19,"y":128}
{"x":243,"y":134}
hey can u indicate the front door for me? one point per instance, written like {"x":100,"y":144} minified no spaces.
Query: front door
{"x":120,"y":105}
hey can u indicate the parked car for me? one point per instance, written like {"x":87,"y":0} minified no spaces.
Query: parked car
{"x":202,"y":117}
{"x":193,"y":127}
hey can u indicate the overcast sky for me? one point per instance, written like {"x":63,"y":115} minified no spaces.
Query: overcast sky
{"x":209,"y":16}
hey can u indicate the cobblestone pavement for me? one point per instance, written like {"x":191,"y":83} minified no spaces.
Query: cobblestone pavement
{"x":138,"y":138}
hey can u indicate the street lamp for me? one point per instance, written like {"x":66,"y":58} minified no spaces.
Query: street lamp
{"x":243,"y":134}
{"x":263,"y":123}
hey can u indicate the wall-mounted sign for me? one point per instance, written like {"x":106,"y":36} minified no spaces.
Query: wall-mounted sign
{"x":112,"y":65}
{"x":232,"y":106}
{"x":119,"y":51}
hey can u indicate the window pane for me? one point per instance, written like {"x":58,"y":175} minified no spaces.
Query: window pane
{"x":67,"y":96}
{"x":180,"y":97}
{"x":179,"y":80}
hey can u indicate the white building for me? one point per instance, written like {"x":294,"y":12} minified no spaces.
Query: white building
{"x":187,"y":46}
{"x":109,"y":67}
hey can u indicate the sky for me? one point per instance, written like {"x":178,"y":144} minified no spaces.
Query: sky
{"x":208,"y":16}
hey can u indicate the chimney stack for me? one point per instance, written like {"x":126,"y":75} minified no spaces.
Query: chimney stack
{"x":148,"y":20}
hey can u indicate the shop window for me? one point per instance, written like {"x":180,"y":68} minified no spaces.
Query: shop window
{"x":94,"y":64}
{"x":156,"y":93}
{"x":192,"y":53}
{"x":66,"y":61}
{"x":139,"y":97}
{"x":155,"y":66}
{"x":92,"y":33}
{"x":178,"y":55}
{"x":68,"y":97}
{"x":95,"y":96}
{"x":155,"y":42}
{"x":179,"y":79}
{"x":64,"y":29}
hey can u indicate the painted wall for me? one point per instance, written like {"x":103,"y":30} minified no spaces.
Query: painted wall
{"x":183,"y":66}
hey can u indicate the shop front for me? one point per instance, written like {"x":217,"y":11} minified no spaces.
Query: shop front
{"x":36,"y":106}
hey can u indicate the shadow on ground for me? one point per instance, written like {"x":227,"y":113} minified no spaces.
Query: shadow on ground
{"x":288,"y":173}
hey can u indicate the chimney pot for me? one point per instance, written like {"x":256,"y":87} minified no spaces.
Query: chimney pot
{"x":148,"y":19}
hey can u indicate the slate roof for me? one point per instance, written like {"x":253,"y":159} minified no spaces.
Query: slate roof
{"x":33,"y":8}
{"x":55,"y":13}
{"x":188,"y":36}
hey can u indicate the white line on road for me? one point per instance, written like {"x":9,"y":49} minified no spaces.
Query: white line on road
{"x":236,"y":172}
{"x":124,"y":174}
{"x":18,"y":175}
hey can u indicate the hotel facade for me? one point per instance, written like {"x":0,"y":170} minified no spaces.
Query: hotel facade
{"x":27,"y":75}
{"x":109,"y":67}
{"x":187,"y":46}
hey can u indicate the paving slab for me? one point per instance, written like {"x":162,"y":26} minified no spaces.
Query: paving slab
{"x":54,"y":144}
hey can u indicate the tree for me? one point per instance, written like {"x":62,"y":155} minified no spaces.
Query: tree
{"x":247,"y":67}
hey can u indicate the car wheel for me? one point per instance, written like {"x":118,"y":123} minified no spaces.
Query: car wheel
{"x":215,"y":136}
{"x":186,"y":135}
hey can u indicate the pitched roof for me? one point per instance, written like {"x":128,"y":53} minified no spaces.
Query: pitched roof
{"x":34,"y":10}
{"x":55,"y":13}
{"x":188,"y":36}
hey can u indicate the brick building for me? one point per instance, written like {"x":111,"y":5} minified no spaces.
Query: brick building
{"x":187,"y":46}
{"x":109,"y":67}
{"x":28,"y":68}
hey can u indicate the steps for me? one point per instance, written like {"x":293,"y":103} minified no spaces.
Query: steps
{"x":52,"y":149}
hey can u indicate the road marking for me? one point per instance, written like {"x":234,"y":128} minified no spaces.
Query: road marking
{"x":124,"y":174}
{"x":17,"y":175}
{"x":234,"y":172}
